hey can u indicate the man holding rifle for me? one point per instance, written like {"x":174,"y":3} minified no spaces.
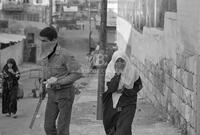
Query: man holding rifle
{"x":60,"y":70}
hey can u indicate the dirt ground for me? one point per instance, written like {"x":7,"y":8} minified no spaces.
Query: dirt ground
{"x":147,"y":120}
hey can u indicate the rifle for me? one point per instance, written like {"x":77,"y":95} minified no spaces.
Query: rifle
{"x":42,"y":96}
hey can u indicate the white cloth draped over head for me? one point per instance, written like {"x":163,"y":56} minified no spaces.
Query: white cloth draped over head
{"x":128,"y":76}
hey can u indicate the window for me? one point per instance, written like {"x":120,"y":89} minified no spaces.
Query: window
{"x":57,"y":8}
{"x":38,"y":1}
{"x":3,"y":24}
{"x":26,"y":1}
{"x":30,"y":37}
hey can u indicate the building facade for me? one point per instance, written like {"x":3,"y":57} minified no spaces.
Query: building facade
{"x":162,"y":38}
{"x":25,"y":17}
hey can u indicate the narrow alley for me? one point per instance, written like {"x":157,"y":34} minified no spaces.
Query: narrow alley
{"x":148,"y":121}
{"x":160,"y":44}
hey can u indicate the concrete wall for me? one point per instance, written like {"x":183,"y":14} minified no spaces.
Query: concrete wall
{"x":15,"y":51}
{"x":168,"y":63}
{"x":189,"y":20}
{"x":22,"y":25}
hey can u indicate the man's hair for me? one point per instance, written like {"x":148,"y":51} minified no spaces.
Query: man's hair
{"x":49,"y":32}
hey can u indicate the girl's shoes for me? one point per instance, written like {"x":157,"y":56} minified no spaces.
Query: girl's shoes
{"x":14,"y":116}
{"x":8,"y":115}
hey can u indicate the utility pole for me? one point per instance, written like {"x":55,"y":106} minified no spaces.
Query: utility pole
{"x":197,"y":93}
{"x":90,"y":32}
{"x":102,"y":66}
{"x":50,"y":12}
{"x":155,"y":13}
{"x":139,"y":10}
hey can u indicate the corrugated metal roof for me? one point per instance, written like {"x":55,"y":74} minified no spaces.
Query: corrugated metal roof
{"x":7,"y":38}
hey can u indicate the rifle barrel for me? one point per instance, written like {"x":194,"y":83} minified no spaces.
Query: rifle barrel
{"x":35,"y":113}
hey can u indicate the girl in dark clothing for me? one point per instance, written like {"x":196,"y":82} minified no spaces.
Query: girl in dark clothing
{"x":120,"y":99}
{"x":10,"y":85}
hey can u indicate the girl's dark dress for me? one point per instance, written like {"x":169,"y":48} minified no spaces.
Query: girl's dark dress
{"x":118,"y":121}
{"x":9,"y":94}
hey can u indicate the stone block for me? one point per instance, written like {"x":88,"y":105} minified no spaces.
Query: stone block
{"x":170,"y":64}
{"x":185,"y":78}
{"x":190,"y":81}
{"x":180,"y":60}
{"x":175,"y":100}
{"x":167,"y":78}
{"x":159,"y":98}
{"x":164,"y":100}
{"x":179,"y":75}
{"x":174,"y":69}
{"x":192,"y":118}
{"x":168,"y":97}
{"x":183,"y":61}
{"x":151,"y":88}
{"x":138,"y":64}
{"x":151,"y":68}
{"x":193,"y":96}
{"x":188,"y":97}
{"x":147,"y":72}
{"x":144,"y":73}
{"x":153,"y":99}
{"x":151,"y":77}
{"x":166,"y":90}
{"x":177,"y":118}
{"x":188,"y":111}
{"x":162,"y":75}
{"x":191,"y":130}
{"x":179,"y":105}
{"x":182,"y":109}
{"x":178,"y":90}
{"x":144,"y":79}
{"x":160,"y":86}
{"x":195,"y":65}
{"x":191,"y":64}
{"x":156,"y":92}
{"x":169,"y":107}
{"x":141,"y":66}
{"x":195,"y":83}
{"x":183,"y":126}
{"x":133,"y":59}
{"x":172,"y":83}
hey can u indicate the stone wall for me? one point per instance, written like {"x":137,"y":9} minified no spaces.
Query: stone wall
{"x":168,"y":67}
{"x":172,"y":88}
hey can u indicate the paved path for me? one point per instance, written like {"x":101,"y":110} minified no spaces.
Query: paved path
{"x":146,"y":122}
{"x":84,"y":121}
